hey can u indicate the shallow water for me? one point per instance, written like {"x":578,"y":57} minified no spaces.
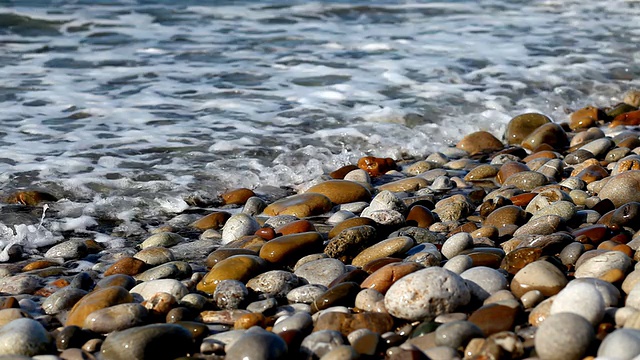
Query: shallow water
{"x":124,"y":108}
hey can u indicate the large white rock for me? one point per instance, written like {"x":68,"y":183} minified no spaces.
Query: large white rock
{"x":426,"y":294}
{"x":581,"y":299}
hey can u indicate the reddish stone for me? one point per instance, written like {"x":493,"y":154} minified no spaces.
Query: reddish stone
{"x":376,"y":166}
{"x":494,"y":318}
{"x":420,"y":216}
{"x":343,"y":171}
{"x":631,"y":118}
{"x":294,"y":227}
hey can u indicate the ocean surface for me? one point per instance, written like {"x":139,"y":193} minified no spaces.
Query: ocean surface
{"x":125,"y":108}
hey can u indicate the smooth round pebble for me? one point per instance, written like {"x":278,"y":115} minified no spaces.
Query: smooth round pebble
{"x":620,"y":344}
{"x":257,"y":344}
{"x":580,"y":299}
{"x":24,"y":337}
{"x":563,"y":336}
{"x":483,"y":281}
{"x":456,"y":244}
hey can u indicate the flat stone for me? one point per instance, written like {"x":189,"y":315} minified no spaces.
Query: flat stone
{"x":382,"y":279}
{"x":457,"y":333}
{"x":301,"y":205}
{"x":341,"y":191}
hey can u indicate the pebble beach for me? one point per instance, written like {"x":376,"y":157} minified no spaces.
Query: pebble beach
{"x":521,"y":245}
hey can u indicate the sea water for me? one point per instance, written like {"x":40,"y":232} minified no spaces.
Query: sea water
{"x":125,"y":108}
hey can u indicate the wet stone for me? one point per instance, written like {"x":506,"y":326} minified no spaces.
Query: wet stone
{"x":149,"y":341}
{"x":494,"y":318}
{"x":350,"y":242}
{"x":301,"y":205}
{"x":522,"y":125}
{"x":457,"y":333}
{"x":98,"y":299}
{"x":382,"y":279}
{"x":115,"y":318}
{"x":24,"y":337}
{"x":306,"y":294}
{"x":538,"y":275}
{"x":163,"y":239}
{"x":341,"y":191}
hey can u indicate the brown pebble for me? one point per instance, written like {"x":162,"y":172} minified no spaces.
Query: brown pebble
{"x":346,"y":323}
{"x":238,"y":267}
{"x":30,"y":197}
{"x":550,"y":134}
{"x":341,"y":191}
{"x":298,"y":226}
{"x":343,"y":171}
{"x":382,"y":279}
{"x":39,"y":264}
{"x":376,"y":166}
{"x":509,"y":168}
{"x":631,"y":118}
{"x":420,"y":216}
{"x":127,"y":266}
{"x":585,"y":118}
{"x":221,"y":254}
{"x":215,"y":220}
{"x":522,"y":125}
{"x":494,"y":318}
{"x":237,"y":196}
{"x":479,"y":142}
{"x":248,"y":320}
{"x":515,"y":260}
{"x":288,"y":249}
{"x":98,"y":299}
{"x":301,"y":205}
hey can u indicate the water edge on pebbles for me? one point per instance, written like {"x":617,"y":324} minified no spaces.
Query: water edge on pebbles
{"x":492,"y":249}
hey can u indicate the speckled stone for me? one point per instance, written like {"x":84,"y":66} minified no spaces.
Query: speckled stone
{"x":426,"y":293}
{"x":526,"y":180}
{"x":306,"y":294}
{"x":350,"y":242}
{"x":237,"y":226}
{"x":276,"y":283}
{"x":230,"y":294}
{"x":622,"y":188}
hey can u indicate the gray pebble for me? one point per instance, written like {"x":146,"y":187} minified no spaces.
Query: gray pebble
{"x":318,"y":343}
{"x":456,"y":244}
{"x":257,"y":344}
{"x":237,"y":226}
{"x":163,"y":239}
{"x":563,"y":336}
{"x":230,"y":294}
{"x":24,"y":337}
{"x":277,"y":283}
{"x":306,"y":293}
{"x":322,"y":271}
{"x":457,"y":333}
{"x":71,"y":249}
{"x":300,"y":321}
{"x":623,"y":344}
{"x":483,"y":281}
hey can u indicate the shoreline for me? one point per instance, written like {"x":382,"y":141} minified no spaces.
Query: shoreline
{"x":524,"y":246}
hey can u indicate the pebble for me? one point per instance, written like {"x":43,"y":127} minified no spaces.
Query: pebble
{"x":115,"y":318}
{"x":96,"y":300}
{"x":276,"y":283}
{"x":25,"y":337}
{"x":163,"y":239}
{"x":581,"y":299}
{"x":62,"y":300}
{"x":148,"y":289}
{"x":259,"y":344}
{"x":72,"y":249}
{"x":321,"y":271}
{"x":538,"y":275}
{"x":383,"y":278}
{"x":610,"y":266}
{"x":155,"y":341}
{"x":319,"y":343}
{"x":426,"y":293}
{"x":563,"y":336}
{"x":384,"y":248}
{"x":483,"y":281}
{"x":457,"y":333}
{"x":237,"y":226}
{"x":306,"y":293}
{"x":300,"y":321}
{"x":456,"y":244}
{"x":620,"y":344}
{"x":238,"y":267}
{"x":301,"y":205}
{"x":341,"y":191}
